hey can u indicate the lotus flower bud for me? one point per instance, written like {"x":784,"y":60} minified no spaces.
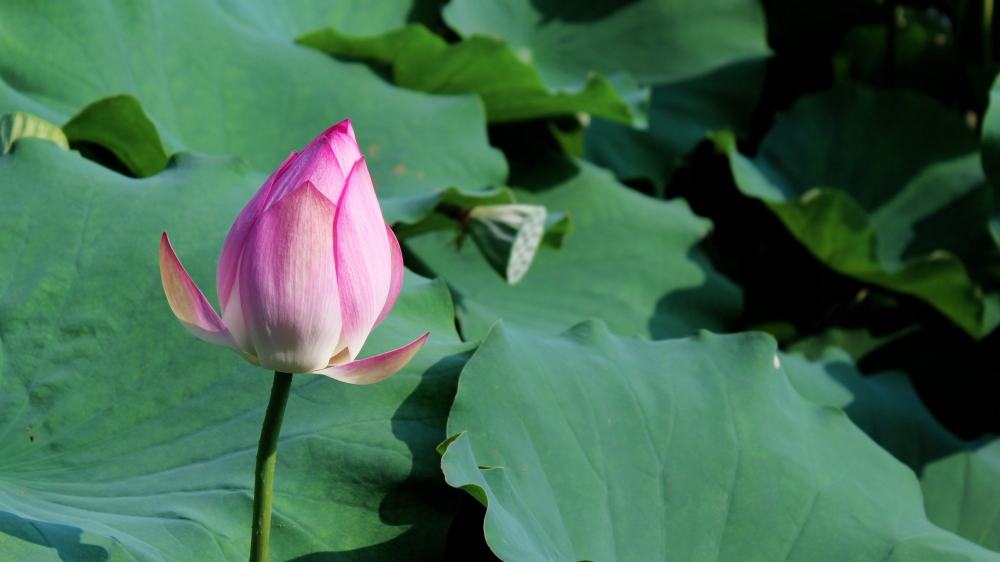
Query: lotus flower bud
{"x":308,"y":269}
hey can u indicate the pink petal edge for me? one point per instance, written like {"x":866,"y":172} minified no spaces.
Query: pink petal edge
{"x":317,"y":164}
{"x":343,"y":127}
{"x":341,"y":140}
{"x":189,"y":304}
{"x":396,"y":282}
{"x":232,"y":248}
{"x":345,"y":149}
{"x":377,"y":368}
{"x":363,"y":256}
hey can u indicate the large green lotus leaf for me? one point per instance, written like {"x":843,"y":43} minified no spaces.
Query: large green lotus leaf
{"x":631,"y":260}
{"x":597,"y":447}
{"x":960,"y":480}
{"x":223,"y":80}
{"x":885,"y":187}
{"x":122,"y":437}
{"x":654,"y":41}
{"x":510,"y":88}
{"x":680,"y":116}
{"x":290,"y":19}
{"x":961,"y":491}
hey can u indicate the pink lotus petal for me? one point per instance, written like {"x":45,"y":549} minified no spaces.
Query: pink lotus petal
{"x":396,"y":283}
{"x":288,"y":283}
{"x":225,"y":274}
{"x":364,"y":262}
{"x":190,"y":305}
{"x":317,"y":164}
{"x":374,"y":369}
{"x":334,"y":149}
{"x":343,"y":127}
{"x":233,"y":318}
{"x":341,"y":139}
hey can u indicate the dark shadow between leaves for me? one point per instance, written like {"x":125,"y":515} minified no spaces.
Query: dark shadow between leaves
{"x":536,"y":159}
{"x":708,"y":306}
{"x":954,"y":376}
{"x":101,"y":155}
{"x":420,"y":423}
{"x":457,"y":298}
{"x":782,"y":281}
{"x":887,"y":408}
{"x":428,"y":12}
{"x":63,"y":538}
{"x":413,"y":262}
{"x":466,"y":538}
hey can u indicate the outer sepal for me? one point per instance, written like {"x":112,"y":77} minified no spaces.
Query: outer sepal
{"x":190,"y":305}
{"x":377,"y":368}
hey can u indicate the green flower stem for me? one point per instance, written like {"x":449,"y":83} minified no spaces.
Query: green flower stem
{"x":267,"y":452}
